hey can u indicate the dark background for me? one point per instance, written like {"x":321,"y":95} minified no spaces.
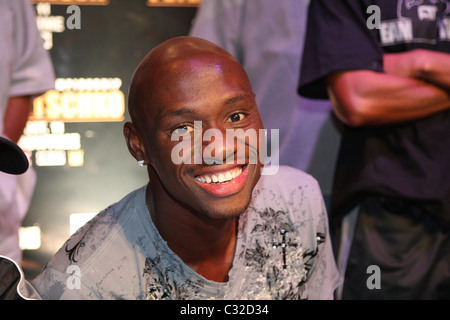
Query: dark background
{"x":112,"y":41}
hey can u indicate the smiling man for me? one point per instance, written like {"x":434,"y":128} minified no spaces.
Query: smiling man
{"x":216,"y":229}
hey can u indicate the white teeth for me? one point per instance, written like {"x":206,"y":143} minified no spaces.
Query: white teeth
{"x":221,"y":177}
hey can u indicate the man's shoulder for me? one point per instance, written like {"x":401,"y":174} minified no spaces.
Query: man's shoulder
{"x":288,"y":177}
{"x":288,"y":188}
{"x":101,"y":245}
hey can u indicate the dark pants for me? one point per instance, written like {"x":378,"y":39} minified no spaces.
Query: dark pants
{"x":410,"y":252}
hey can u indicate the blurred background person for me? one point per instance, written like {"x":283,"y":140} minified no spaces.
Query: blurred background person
{"x":26,"y":71}
{"x":388,"y":75}
{"x":12,"y":161}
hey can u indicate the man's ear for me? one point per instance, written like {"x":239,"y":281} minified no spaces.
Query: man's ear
{"x":134,"y":143}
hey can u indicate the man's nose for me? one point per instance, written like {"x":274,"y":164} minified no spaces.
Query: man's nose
{"x":216,"y":148}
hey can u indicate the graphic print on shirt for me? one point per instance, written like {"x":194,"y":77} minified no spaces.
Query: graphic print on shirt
{"x":418,"y":21}
{"x":275,"y":263}
{"x":276,"y":253}
{"x":272,"y":260}
{"x":87,"y":238}
{"x":74,"y":251}
{"x":161,"y":285}
{"x":166,"y":278}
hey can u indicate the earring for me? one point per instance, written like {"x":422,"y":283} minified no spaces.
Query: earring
{"x":141,"y":163}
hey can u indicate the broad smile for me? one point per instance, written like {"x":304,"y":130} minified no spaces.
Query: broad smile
{"x":224,"y":182}
{"x":220,"y":177}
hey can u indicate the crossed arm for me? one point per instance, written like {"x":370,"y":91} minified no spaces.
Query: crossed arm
{"x":415,"y":84}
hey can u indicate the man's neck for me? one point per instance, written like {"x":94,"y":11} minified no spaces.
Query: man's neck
{"x":204,"y":244}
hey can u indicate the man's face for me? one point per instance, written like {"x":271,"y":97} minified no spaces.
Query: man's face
{"x":218,"y":94}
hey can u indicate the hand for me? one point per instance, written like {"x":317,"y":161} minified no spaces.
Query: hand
{"x":405,"y":64}
{"x":430,"y":66}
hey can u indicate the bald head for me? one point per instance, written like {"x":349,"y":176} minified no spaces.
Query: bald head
{"x":187,"y":88}
{"x":170,"y":63}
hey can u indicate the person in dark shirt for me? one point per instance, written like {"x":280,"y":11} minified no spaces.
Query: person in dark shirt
{"x":385,"y":65}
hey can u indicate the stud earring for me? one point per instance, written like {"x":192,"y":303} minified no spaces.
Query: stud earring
{"x":141,"y":163}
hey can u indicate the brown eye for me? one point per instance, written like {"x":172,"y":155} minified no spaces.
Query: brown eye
{"x":182,"y":130}
{"x":236,"y":117}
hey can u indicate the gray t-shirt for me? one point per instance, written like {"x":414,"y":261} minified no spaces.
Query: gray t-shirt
{"x":283,"y":251}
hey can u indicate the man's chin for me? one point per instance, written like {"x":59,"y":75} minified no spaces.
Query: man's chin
{"x":222,"y":212}
{"x":227,"y":208}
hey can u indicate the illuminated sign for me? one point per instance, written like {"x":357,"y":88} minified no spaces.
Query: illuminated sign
{"x":52,"y":145}
{"x":30,"y":238}
{"x":76,"y":2}
{"x":173,"y":3}
{"x":40,"y":135}
{"x":81,"y":100}
{"x":73,"y":100}
{"x":48,"y":24}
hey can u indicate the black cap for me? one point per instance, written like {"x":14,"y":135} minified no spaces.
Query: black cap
{"x":12,"y":159}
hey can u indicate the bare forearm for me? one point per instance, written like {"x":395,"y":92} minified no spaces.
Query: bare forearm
{"x":366,"y":98}
{"x":16,"y":117}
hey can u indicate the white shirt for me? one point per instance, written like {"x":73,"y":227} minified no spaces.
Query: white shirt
{"x":25,"y":69}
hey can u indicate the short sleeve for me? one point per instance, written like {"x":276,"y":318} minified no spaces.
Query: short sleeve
{"x":337,"y":39}
{"x":32,"y":72}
